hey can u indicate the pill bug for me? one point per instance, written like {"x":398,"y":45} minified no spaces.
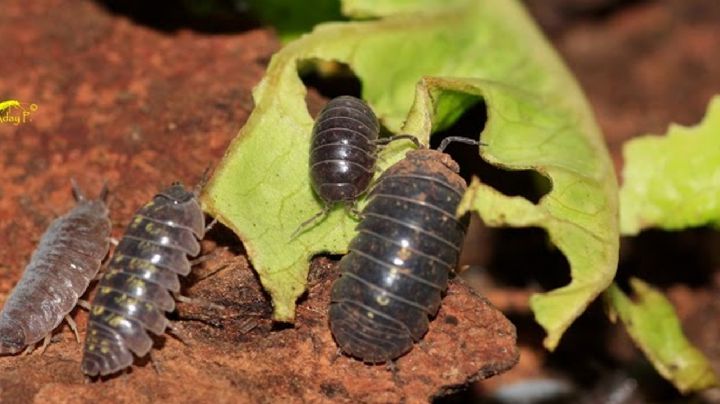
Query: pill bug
{"x":134,"y":292}
{"x":343,"y":153}
{"x":408,"y":241}
{"x":67,"y":258}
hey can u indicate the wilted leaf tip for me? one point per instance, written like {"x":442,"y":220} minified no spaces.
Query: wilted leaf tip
{"x":652,"y":323}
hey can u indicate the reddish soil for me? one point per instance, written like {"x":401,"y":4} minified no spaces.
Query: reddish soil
{"x":140,"y":104}
{"x":140,"y":108}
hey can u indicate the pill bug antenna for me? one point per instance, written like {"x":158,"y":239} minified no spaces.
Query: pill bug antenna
{"x":445,"y":142}
{"x":315,"y":219}
{"x":77,"y":192}
{"x":203,"y":180}
{"x":104,"y":193}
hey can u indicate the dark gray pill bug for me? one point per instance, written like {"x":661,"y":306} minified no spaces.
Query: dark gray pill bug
{"x":134,"y":292}
{"x":343,"y":153}
{"x":408,"y":242}
{"x":343,"y":150}
{"x":67,"y":258}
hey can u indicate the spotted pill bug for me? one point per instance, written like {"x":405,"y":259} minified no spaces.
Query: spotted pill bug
{"x":408,"y":242}
{"x":134,"y":292}
{"x":67,"y":258}
{"x":343,"y":153}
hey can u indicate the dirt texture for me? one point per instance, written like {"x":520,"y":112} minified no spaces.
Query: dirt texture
{"x":235,"y":353}
{"x":139,"y":107}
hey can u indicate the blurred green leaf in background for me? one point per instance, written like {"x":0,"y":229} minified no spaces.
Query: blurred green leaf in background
{"x":652,"y":323}
{"x":673,"y":181}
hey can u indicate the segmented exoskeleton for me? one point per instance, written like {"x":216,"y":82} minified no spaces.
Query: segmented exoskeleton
{"x":343,"y":153}
{"x":409,"y":240}
{"x":343,"y":150}
{"x":133,"y":293}
{"x":67,"y":258}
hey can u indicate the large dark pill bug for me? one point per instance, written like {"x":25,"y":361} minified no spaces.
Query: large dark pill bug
{"x":408,"y":242}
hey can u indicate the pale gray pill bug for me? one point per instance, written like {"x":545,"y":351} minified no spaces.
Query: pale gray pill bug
{"x":66,"y":260}
{"x":408,"y":242}
{"x":343,"y":154}
{"x":135,"y":291}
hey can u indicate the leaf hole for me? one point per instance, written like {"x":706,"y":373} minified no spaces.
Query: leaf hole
{"x":508,"y":257}
{"x":327,"y":79}
{"x":528,"y":184}
{"x":513,"y":257}
{"x":223,"y":237}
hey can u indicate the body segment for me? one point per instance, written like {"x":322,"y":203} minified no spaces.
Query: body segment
{"x":67,"y":258}
{"x":134,"y":293}
{"x":409,"y":240}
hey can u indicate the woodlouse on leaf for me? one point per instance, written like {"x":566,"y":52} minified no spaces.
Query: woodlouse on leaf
{"x":408,"y":242}
{"x":67,"y":258}
{"x":343,"y":153}
{"x":134,"y":292}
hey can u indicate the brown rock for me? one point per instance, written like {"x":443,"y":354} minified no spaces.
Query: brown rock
{"x":236,"y":355}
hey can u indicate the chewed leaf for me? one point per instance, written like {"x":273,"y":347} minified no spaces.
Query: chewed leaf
{"x":579,"y":213}
{"x":652,"y":323}
{"x":673,"y":181}
{"x":538,"y":119}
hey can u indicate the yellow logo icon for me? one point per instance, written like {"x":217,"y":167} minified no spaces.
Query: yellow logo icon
{"x":14,"y":112}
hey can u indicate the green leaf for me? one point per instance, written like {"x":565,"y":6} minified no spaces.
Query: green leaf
{"x":384,"y":8}
{"x":579,"y":213}
{"x":419,"y":72}
{"x":673,"y":181}
{"x":652,"y":323}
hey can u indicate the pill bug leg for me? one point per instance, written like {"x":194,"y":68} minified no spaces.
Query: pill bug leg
{"x":353,"y":211}
{"x":311,"y":222}
{"x":178,"y":334}
{"x":393,"y":368}
{"x":198,"y":301}
{"x":73,"y":326}
{"x":45,"y":344}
